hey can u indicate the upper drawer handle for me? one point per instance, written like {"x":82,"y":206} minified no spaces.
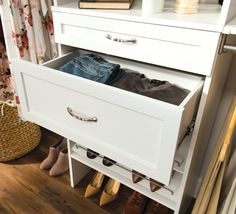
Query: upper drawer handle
{"x":108,"y":36}
{"x":87,"y":119}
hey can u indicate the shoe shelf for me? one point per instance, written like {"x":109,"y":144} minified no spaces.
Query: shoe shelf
{"x":210,"y":16}
{"x":180,"y":156}
{"x":167,"y":195}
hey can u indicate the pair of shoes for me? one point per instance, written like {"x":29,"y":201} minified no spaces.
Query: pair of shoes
{"x":57,"y":159}
{"x":106,"y":161}
{"x":109,"y":193}
{"x":139,"y":204}
{"x":154,"y":207}
{"x":154,"y":185}
{"x":136,"y":204}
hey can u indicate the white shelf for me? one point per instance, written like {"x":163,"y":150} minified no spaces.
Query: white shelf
{"x":230,"y":28}
{"x":208,"y":17}
{"x":164,"y":196}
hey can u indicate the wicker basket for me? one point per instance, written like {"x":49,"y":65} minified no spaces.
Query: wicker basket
{"x":17,"y":137}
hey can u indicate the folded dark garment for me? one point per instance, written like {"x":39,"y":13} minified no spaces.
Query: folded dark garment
{"x":157,"y":89}
{"x":115,"y":76}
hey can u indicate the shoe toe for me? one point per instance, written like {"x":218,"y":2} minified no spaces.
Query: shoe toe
{"x":107,"y":161}
{"x":106,"y":198}
{"x":92,"y":154}
{"x":155,"y":185}
{"x":60,"y":166}
{"x":53,"y":172}
{"x":136,"y":176}
{"x":90,"y":191}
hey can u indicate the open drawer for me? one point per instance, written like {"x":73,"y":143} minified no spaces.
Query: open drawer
{"x":137,"y":131}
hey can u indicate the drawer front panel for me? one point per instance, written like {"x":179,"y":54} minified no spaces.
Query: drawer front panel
{"x":116,"y":128}
{"x":136,"y":131}
{"x":183,"y":49}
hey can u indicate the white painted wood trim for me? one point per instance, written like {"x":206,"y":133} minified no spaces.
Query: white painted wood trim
{"x":228,"y":12}
{"x":205,"y":119}
{"x":77,"y":170}
{"x":230,"y":28}
{"x":206,"y":19}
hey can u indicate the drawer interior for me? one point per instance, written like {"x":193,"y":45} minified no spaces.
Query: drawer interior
{"x":181,"y":79}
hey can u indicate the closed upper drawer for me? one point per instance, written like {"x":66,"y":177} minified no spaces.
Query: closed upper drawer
{"x":179,"y":48}
{"x":139,"y":132}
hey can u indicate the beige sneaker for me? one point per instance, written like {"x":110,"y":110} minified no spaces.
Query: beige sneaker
{"x":53,"y":154}
{"x":61,"y":164}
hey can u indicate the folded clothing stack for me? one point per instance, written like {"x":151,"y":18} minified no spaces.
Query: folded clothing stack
{"x":160,"y":90}
{"x":90,"y":66}
{"x":94,"y":67}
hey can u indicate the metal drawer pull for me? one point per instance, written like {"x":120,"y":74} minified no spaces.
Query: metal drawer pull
{"x":87,"y":119}
{"x":108,"y":36}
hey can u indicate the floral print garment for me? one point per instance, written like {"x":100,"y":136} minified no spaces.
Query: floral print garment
{"x":33,"y":34}
{"x":6,"y":89}
{"x":32,"y":29}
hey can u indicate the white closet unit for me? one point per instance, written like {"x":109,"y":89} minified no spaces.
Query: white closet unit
{"x":163,"y":141}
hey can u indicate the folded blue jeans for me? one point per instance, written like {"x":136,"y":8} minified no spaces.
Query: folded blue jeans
{"x":90,"y":66}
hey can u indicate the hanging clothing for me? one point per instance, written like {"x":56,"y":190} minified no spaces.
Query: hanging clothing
{"x":6,"y":89}
{"x":32,"y":29}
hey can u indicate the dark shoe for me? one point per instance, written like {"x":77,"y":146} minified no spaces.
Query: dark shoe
{"x":136,"y":204}
{"x":137,"y":176}
{"x":107,"y":161}
{"x":91,"y":154}
{"x":155,"y":185}
{"x":154,"y":207}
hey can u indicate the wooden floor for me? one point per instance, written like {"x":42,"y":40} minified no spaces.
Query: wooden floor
{"x":25,"y":189}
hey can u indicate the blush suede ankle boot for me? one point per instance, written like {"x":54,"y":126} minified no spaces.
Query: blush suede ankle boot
{"x":52,"y":155}
{"x":61,"y":164}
